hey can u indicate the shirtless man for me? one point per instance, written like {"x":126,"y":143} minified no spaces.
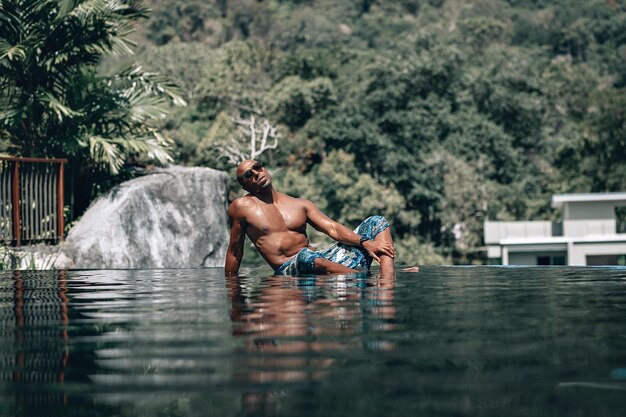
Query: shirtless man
{"x":276,"y":225}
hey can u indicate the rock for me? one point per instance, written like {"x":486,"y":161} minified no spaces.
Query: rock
{"x":172,"y":218}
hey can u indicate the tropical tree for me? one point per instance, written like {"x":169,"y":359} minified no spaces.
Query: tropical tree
{"x":54,"y":101}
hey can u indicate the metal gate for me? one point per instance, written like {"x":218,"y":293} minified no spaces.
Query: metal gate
{"x":31,"y":200}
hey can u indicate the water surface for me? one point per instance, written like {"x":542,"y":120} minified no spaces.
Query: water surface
{"x":479,"y":341}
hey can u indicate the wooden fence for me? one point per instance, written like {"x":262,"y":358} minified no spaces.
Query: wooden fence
{"x":31,"y":200}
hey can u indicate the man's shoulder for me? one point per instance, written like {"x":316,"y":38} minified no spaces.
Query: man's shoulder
{"x":239,"y":204}
{"x":241,"y":200}
{"x":295,"y":200}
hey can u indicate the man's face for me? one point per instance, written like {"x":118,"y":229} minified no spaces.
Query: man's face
{"x":253,"y":176}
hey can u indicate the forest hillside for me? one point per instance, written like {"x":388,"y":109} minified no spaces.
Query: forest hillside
{"x":437,"y":114}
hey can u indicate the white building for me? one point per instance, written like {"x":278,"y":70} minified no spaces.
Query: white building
{"x":592,"y":233}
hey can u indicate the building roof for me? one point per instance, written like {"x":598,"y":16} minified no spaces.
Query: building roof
{"x":559,"y":199}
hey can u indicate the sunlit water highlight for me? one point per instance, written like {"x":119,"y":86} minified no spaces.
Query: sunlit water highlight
{"x":447,"y":341}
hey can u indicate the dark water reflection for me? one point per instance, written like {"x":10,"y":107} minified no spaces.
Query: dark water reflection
{"x":446,"y":341}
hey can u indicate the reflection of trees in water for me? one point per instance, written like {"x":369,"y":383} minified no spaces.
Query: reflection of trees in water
{"x":294,"y":328}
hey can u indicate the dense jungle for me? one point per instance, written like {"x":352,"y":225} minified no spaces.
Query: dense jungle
{"x":438,"y":114}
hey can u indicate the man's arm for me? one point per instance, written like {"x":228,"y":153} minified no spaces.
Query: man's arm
{"x":234,"y":253}
{"x":342,"y":234}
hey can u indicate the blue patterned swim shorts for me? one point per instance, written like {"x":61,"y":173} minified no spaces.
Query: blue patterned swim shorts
{"x":303,"y":263}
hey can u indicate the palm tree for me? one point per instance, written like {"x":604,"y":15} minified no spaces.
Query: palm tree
{"x":54,"y":101}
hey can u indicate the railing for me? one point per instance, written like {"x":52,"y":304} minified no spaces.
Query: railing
{"x":495,"y":231}
{"x":31,"y":200}
{"x":582,"y":228}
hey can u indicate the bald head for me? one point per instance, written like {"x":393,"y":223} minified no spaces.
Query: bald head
{"x":252,"y":175}
{"x":242,"y":168}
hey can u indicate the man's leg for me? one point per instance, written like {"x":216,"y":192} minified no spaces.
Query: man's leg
{"x":377,"y":228}
{"x":324,"y":266}
{"x":311,"y":262}
{"x":386,"y":262}
{"x":341,"y":258}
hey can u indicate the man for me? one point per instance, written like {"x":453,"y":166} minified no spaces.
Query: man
{"x":276,"y":225}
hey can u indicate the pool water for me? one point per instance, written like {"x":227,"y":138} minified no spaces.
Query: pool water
{"x":448,"y":341}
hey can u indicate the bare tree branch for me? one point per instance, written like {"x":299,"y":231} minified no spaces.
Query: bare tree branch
{"x":259,"y":136}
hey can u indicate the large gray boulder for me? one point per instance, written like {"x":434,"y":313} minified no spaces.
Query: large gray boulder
{"x":171,"y":218}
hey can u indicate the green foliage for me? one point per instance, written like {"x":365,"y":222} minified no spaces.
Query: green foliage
{"x":601,"y":152}
{"x":294,"y":101}
{"x":55,"y":103}
{"x":36,"y":258}
{"x":344,"y":193}
{"x":7,"y":258}
{"x":437,"y":114}
{"x":481,"y":31}
{"x":196,"y":21}
{"x":236,"y":77}
{"x":185,"y":64}
{"x":411,"y":251}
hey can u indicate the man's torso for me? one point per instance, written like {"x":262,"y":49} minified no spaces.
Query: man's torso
{"x":277,"y":229}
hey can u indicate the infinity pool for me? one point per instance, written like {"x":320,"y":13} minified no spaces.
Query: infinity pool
{"x":475,"y":341}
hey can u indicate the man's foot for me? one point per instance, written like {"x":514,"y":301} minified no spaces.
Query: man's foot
{"x":411,"y":269}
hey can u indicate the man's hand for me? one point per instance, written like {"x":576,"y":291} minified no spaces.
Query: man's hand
{"x":376,"y":249}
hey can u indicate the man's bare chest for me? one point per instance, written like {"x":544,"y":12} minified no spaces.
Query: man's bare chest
{"x":271,"y":218}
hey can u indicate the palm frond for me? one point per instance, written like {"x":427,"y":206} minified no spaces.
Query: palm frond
{"x":119,"y":17}
{"x":116,"y":12}
{"x":7,"y":114}
{"x":146,"y":94}
{"x":144,"y":106}
{"x":106,"y":152}
{"x":89,"y":9}
{"x":60,"y":109}
{"x":120,"y":45}
{"x":150,"y":147}
{"x":112,"y":152}
{"x":65,"y":7}
{"x":31,"y":10}
{"x":11,"y":52}
{"x":154,"y":83}
{"x":135,"y":9}
{"x":9,"y":19}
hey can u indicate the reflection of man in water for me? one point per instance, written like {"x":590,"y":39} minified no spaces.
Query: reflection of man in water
{"x":291,"y":330}
{"x":276,"y":224}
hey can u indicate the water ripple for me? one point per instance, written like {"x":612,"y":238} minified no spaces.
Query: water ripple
{"x":447,"y":341}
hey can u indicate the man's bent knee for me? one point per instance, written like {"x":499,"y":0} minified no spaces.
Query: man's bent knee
{"x":372,"y":226}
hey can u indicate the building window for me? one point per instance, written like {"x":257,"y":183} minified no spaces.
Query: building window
{"x":620,"y":219}
{"x":598,"y":260}
{"x":551,"y":260}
